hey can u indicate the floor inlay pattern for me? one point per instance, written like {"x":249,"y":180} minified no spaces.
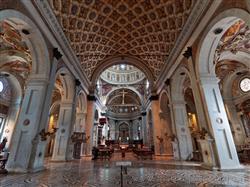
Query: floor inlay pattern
{"x":96,"y":174}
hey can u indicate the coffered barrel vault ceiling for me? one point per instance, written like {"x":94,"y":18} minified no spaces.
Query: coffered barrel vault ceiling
{"x":98,"y":29}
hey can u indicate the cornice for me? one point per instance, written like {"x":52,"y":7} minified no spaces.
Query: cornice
{"x":197,"y":12}
{"x":69,"y":56}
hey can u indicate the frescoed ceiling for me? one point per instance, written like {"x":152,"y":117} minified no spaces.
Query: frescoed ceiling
{"x":146,"y":29}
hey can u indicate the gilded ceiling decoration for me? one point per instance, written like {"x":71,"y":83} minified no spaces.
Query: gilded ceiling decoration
{"x":146,"y":29}
{"x":236,"y":38}
{"x":224,"y":68}
{"x":13,"y":48}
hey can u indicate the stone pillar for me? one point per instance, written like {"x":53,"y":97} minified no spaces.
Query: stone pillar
{"x":28,"y":151}
{"x":202,"y":123}
{"x":112,"y":130}
{"x":131,"y":130}
{"x":25,"y":147}
{"x":236,"y":124}
{"x":11,"y":122}
{"x":208,"y":155}
{"x":63,"y":133}
{"x":144,"y":129}
{"x":89,"y":125}
{"x":166,"y":133}
{"x":80,"y":122}
{"x":219,"y":128}
{"x":155,"y":107}
{"x":182,"y":130}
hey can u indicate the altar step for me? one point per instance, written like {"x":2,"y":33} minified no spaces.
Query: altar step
{"x":118,"y":156}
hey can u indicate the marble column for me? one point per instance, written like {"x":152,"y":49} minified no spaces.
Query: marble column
{"x":236,"y":124}
{"x":116,"y":130}
{"x":202,"y":123}
{"x":11,"y":121}
{"x":80,"y":122}
{"x":219,"y":128}
{"x":63,"y":134}
{"x":182,"y":130}
{"x":144,"y":129}
{"x":112,"y":130}
{"x":131,"y":130}
{"x":155,"y":108}
{"x":25,"y":142}
{"x":166,"y":133}
{"x":89,"y":125}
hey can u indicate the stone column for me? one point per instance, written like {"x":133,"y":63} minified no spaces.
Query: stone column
{"x":202,"y":123}
{"x":63,"y":133}
{"x":166,"y":133}
{"x":131,"y":130}
{"x":219,"y":128}
{"x":182,"y":130}
{"x":89,"y":125}
{"x":236,"y":124}
{"x":27,"y":153}
{"x":144,"y":129}
{"x":116,"y":130}
{"x":11,"y":122}
{"x":112,"y":130}
{"x":80,"y":122}
{"x":155,"y":107}
{"x":26,"y":137}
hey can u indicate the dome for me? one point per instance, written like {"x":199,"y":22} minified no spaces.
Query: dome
{"x":122,"y":74}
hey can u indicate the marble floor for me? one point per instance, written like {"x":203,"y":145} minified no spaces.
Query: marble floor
{"x":140,"y":174}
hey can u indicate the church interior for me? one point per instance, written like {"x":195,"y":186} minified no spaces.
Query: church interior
{"x":124,"y":93}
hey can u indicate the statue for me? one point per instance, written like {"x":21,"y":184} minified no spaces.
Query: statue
{"x":160,"y":144}
{"x":3,"y":144}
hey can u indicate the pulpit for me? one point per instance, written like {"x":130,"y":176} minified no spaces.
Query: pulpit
{"x":77,"y":138}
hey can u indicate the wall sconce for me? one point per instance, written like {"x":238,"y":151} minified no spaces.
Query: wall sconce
{"x":44,"y":134}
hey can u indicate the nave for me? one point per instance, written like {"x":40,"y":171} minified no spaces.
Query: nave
{"x":86,"y":85}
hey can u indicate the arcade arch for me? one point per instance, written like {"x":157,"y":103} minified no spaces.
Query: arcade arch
{"x":207,"y":59}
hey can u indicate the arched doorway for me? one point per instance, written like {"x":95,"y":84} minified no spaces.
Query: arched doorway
{"x":123,"y":133}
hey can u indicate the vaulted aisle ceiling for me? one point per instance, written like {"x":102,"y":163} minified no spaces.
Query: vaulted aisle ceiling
{"x":97,"y":29}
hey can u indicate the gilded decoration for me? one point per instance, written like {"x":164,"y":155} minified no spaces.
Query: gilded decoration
{"x":100,"y":29}
{"x":13,"y":47}
{"x":236,"y":38}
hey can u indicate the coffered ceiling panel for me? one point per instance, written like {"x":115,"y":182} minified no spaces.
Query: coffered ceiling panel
{"x":146,"y":29}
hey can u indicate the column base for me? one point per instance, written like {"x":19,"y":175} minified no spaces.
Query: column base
{"x":3,"y":171}
{"x":215,"y":168}
{"x":86,"y":157}
{"x":21,"y":170}
{"x":163,"y":157}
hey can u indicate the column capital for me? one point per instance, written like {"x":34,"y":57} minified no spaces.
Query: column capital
{"x":57,"y":54}
{"x":209,"y":79}
{"x":188,"y":53}
{"x":91,"y":98}
{"x":178,"y":102}
{"x":154,"y":97}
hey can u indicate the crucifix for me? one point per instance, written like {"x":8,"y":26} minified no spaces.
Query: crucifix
{"x":123,"y":96}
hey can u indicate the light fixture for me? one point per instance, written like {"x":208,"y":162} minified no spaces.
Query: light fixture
{"x":218,"y":30}
{"x":122,"y":66}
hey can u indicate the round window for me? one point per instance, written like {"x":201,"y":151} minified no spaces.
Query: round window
{"x":1,"y":86}
{"x":245,"y":84}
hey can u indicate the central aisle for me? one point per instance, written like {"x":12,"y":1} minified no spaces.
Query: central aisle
{"x":142,"y":173}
